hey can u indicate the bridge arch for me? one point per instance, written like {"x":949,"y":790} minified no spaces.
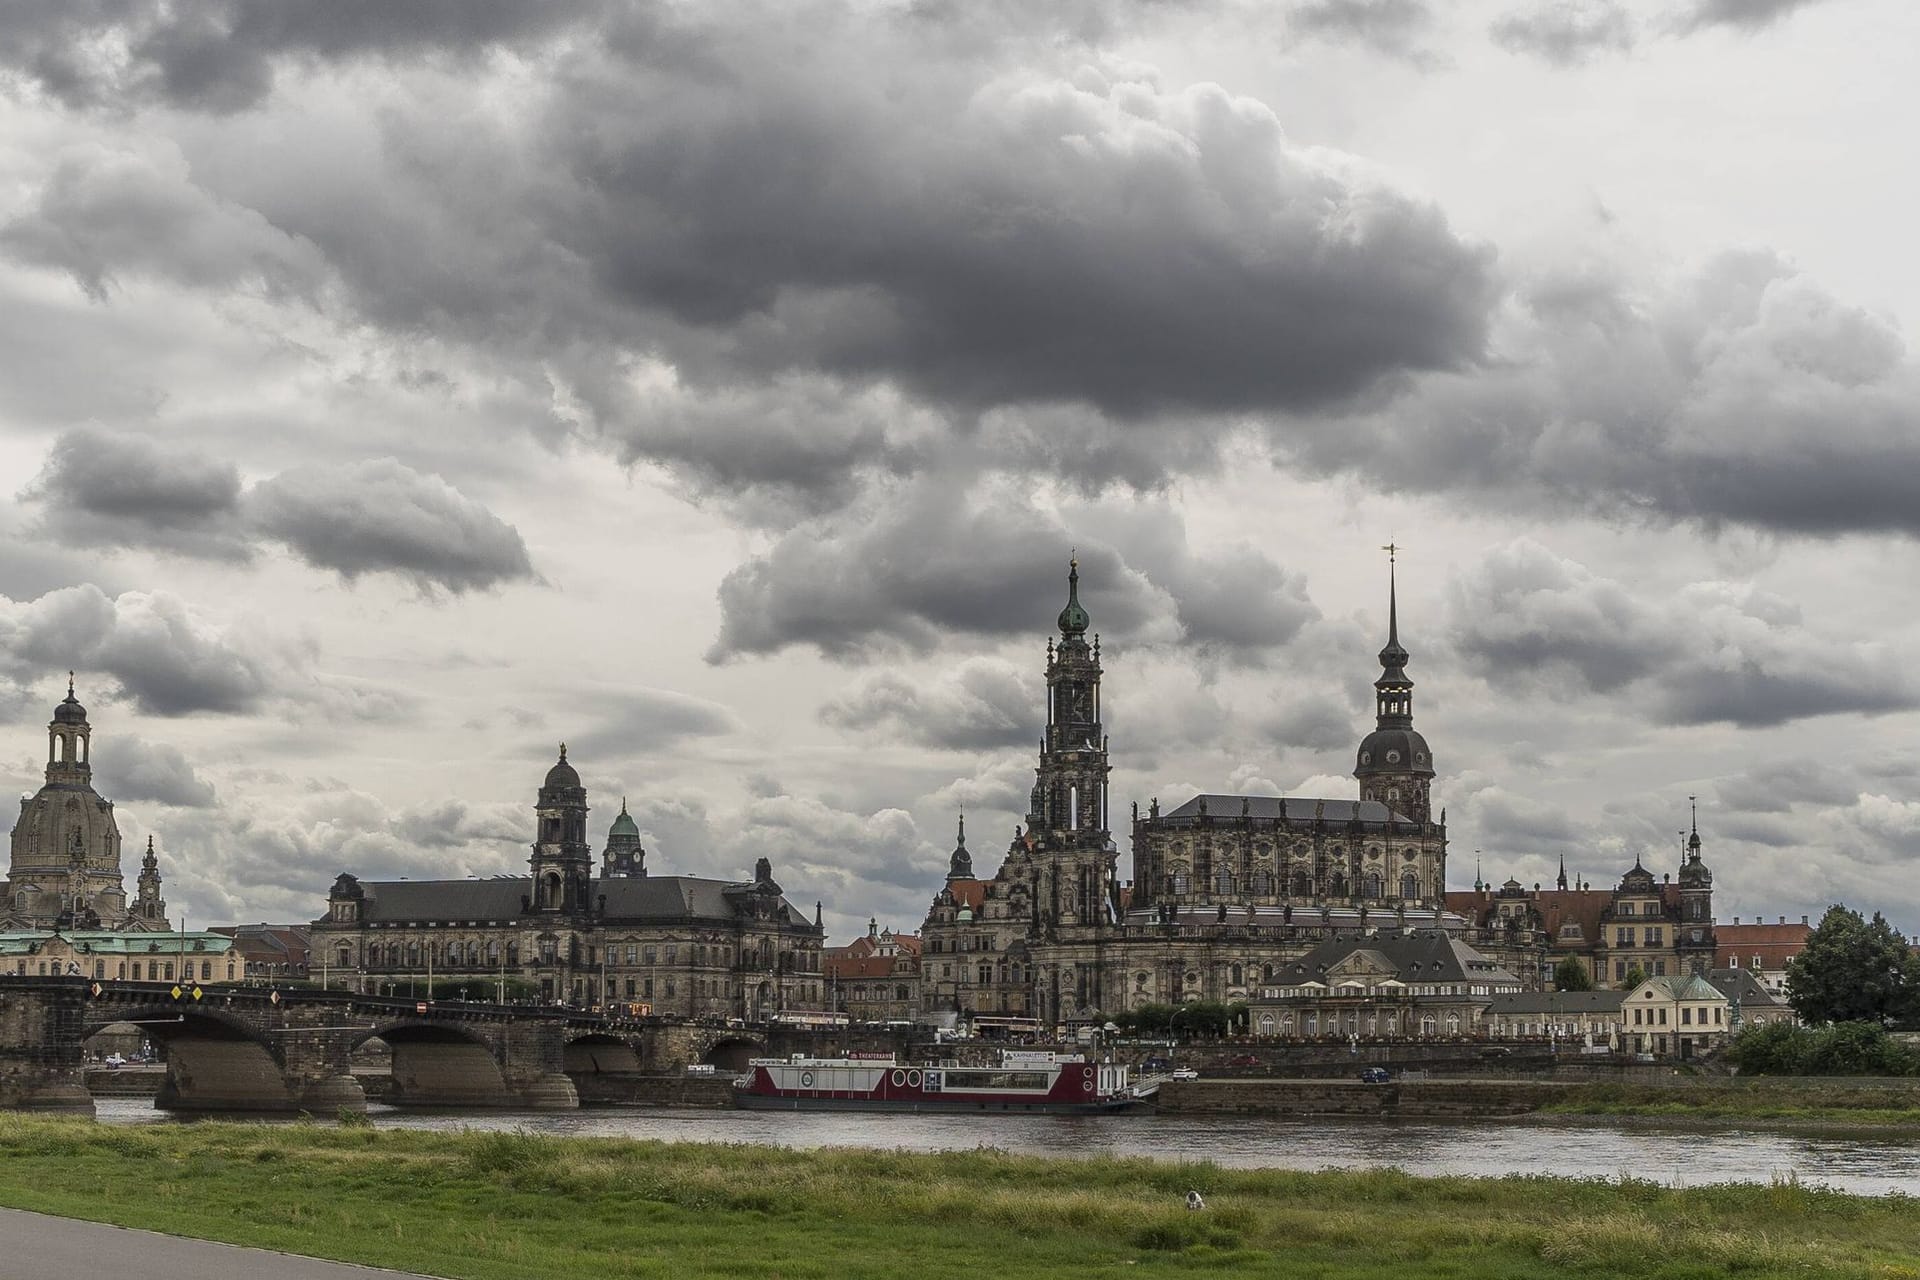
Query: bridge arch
{"x":442,"y":1064}
{"x":731,"y":1053}
{"x":216,"y":1060}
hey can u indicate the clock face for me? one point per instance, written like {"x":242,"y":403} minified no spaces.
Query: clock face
{"x":1078,"y":703}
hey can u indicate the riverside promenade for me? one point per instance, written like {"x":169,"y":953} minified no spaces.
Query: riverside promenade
{"x":38,"y":1246}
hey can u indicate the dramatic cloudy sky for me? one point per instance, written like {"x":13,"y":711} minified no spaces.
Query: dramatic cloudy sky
{"x":393,"y":391}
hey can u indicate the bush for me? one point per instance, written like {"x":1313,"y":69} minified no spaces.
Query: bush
{"x":1843,"y":1049}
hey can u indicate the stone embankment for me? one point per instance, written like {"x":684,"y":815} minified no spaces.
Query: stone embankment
{"x":1424,"y":1099}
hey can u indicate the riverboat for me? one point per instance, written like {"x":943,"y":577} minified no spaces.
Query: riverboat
{"x":1022,"y":1081}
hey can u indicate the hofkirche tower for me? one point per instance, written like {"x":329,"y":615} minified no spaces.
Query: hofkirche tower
{"x":1394,"y":765}
{"x":64,"y":871}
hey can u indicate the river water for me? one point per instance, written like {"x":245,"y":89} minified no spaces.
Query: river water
{"x":1872,"y":1164}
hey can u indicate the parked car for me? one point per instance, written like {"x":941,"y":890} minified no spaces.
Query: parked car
{"x":1375,"y":1075}
{"x":1244,"y":1060}
{"x":1157,"y":1064}
{"x":1185,"y":1073}
{"x":115,"y":1060}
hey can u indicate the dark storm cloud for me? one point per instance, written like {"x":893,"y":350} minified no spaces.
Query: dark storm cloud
{"x":130,"y":768}
{"x":1393,"y":27}
{"x":378,"y":516}
{"x":97,"y":489}
{"x":921,"y":562}
{"x":221,"y":55}
{"x":1744,"y":394}
{"x":384,"y":517}
{"x":982,"y":704}
{"x":162,"y":655}
{"x":1567,"y":32}
{"x":1715,"y":653}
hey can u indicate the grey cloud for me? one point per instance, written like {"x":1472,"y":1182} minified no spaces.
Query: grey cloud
{"x":646,"y":722}
{"x":979,"y":705}
{"x":1746,"y":395}
{"x":98,"y":489}
{"x":222,"y":55}
{"x":916,"y":563}
{"x":1748,"y":14}
{"x":1718,"y":653}
{"x":383,"y":517}
{"x":1782,"y":785}
{"x":103,"y":214}
{"x":163,"y":655}
{"x":1393,"y":27}
{"x":1566,"y":32}
{"x":379,"y":516}
{"x":130,"y":768}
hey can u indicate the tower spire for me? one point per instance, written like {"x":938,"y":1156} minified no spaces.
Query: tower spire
{"x":1563,"y":871}
{"x":1073,"y":619}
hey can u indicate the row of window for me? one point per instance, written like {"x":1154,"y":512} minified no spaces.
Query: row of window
{"x":128,"y":971}
{"x":1373,"y":885}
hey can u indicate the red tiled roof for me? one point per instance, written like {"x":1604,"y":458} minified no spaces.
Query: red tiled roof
{"x":849,"y":967}
{"x":1775,"y":944}
{"x":968,"y":893}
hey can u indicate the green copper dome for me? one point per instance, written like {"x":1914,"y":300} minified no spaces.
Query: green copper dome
{"x":624,"y":825}
{"x":1073,"y":619}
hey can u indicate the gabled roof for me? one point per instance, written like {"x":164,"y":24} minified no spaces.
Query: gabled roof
{"x":968,"y":893}
{"x":1551,"y":1002}
{"x":1744,"y":989}
{"x":505,"y":898}
{"x":1299,"y":809}
{"x":1685,"y":986}
{"x":1419,"y":956}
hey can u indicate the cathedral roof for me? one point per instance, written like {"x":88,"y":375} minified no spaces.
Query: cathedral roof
{"x":70,"y":711}
{"x":1298,"y":809}
{"x":503,"y":898}
{"x":624,"y":825}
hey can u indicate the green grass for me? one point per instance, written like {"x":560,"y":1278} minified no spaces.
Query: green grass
{"x":519,"y":1207}
{"x":1800,"y":1103}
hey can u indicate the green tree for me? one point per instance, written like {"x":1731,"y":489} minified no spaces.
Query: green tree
{"x":1635,"y":976}
{"x":1571,"y":975}
{"x":1853,"y":970}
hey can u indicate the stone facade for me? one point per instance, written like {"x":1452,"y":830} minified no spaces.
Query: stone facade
{"x":875,"y":978}
{"x":1422,"y":984}
{"x":682,"y":946}
{"x":63,"y":871}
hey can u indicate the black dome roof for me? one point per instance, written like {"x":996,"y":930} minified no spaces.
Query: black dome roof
{"x":1394,"y":751}
{"x":562,"y":774}
{"x":70,"y":711}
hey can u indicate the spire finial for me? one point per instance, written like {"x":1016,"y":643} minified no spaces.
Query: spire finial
{"x":623,"y":804}
{"x":1393,"y":595}
{"x":69,"y":684}
{"x":963,"y":827}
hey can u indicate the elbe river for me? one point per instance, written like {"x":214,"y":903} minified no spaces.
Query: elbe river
{"x":1879,"y":1163}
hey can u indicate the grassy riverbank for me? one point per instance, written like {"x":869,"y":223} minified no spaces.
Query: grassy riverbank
{"x":517,"y":1207}
{"x":1798,"y":1104}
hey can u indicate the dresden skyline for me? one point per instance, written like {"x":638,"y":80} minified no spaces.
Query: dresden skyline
{"x":393,"y":395}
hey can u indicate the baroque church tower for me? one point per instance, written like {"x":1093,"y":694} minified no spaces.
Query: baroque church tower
{"x":562,"y":858}
{"x":64,"y":871}
{"x":1395,"y":765}
{"x":1067,"y":814}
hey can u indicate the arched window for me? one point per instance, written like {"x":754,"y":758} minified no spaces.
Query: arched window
{"x":1266,"y":973}
{"x":1373,"y":884}
{"x":1286,"y":1024}
{"x":1262,"y":884}
{"x":1426,"y":1025}
{"x":1223,"y":882}
{"x":1266,"y":1024}
{"x":1409,"y":885}
{"x":1453,"y":1024}
{"x":1234,"y":976}
{"x":1313,"y":1024}
{"x":1393,"y":1024}
{"x":1339,"y":887}
{"x":1302,"y":885}
{"x":413,"y":955}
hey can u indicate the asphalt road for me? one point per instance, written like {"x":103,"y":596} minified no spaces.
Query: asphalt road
{"x":34,"y":1246}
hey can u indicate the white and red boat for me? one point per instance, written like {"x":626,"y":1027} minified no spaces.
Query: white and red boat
{"x":1023,"y":1081}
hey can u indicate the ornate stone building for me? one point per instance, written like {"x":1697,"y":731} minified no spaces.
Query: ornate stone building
{"x":1661,"y":927}
{"x":681,"y":945}
{"x":1226,"y":888}
{"x":64,"y":869}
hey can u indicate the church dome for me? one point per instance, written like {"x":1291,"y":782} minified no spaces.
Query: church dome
{"x":562,"y":774}
{"x":1394,"y":751}
{"x":70,"y":711}
{"x":624,"y":825}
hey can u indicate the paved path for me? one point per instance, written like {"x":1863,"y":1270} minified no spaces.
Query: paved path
{"x":35,"y":1246}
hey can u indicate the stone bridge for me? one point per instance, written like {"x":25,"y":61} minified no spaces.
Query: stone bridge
{"x":291,"y":1049}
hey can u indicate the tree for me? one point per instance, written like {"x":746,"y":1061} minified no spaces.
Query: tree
{"x":1635,"y":976}
{"x":1571,"y":975}
{"x":1853,"y":970}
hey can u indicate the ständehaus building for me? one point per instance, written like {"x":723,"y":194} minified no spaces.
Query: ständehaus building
{"x":1225,"y":888}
